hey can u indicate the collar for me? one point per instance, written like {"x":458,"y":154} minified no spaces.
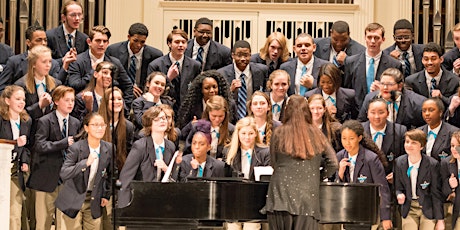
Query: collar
{"x":373,"y":131}
{"x":40,"y":81}
{"x":67,"y":32}
{"x":416,"y":164}
{"x":437,"y":77}
{"x":280,"y":103}
{"x":326,"y":96}
{"x":138,"y":55}
{"x":309,"y":64}
{"x":61,"y":117}
{"x":435,"y":130}
{"x":243,"y":153}
{"x":181,"y":60}
{"x":245,"y":71}
{"x":376,"y":57}
{"x":94,"y":58}
{"x":262,"y":128}
{"x":97,"y":149}
{"x":196,"y":46}
{"x":409,"y":50}
{"x":162,"y":144}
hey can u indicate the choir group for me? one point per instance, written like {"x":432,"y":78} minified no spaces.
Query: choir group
{"x":392,"y":116}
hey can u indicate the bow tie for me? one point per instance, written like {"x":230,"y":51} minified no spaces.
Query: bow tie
{"x":431,"y":133}
{"x":276,"y":108}
{"x":40,"y":84}
{"x":377,"y":134}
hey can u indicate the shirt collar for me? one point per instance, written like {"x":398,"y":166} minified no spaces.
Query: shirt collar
{"x":60,"y":116}
{"x":67,"y":32}
{"x":309,"y":64}
{"x":196,"y":46}
{"x":280,"y":103}
{"x":94,"y":59}
{"x":162,"y":144}
{"x":435,"y":130}
{"x":326,"y":96}
{"x":376,"y":58}
{"x":138,"y":55}
{"x":437,"y":77}
{"x":373,"y":131}
{"x":409,"y":50}
{"x":181,"y":60}
{"x":416,"y":164}
{"x":245,"y":71}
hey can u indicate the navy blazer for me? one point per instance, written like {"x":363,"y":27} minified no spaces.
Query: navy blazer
{"x":447,"y":169}
{"x":5,"y":53}
{"x":355,"y":73}
{"x":81,"y":71}
{"x":178,"y":87}
{"x":441,"y":146}
{"x":260,"y":157}
{"x":17,"y":66}
{"x":410,"y":109}
{"x":212,"y":168}
{"x":257,"y":59}
{"x":345,"y":103}
{"x":120,"y":51}
{"x":393,"y":142}
{"x":447,"y":85}
{"x":22,"y":154}
{"x":139,"y":165}
{"x":218,"y":55}
{"x":75,"y":175}
{"x":259,"y":76}
{"x":49,"y":152}
{"x":449,"y":58}
{"x":140,"y":105}
{"x":368,"y":165}
{"x":417,"y":50}
{"x":291,"y":67}
{"x":323,"y":48}
{"x":57,"y":42}
{"x":430,"y":197}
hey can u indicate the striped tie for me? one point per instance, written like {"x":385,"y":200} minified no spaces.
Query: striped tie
{"x":132,"y":69}
{"x":433,"y":85}
{"x":69,"y":41}
{"x":199,"y":57}
{"x":303,"y":89}
{"x":370,"y":74}
{"x":242,"y":98}
{"x":407,"y":68}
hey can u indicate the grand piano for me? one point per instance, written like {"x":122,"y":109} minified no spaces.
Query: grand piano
{"x":205,"y":204}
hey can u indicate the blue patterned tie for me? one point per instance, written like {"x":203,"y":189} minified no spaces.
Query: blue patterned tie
{"x":249,"y":158}
{"x":159,"y":152}
{"x":433,"y":84}
{"x":132,"y":69}
{"x":332,"y":100}
{"x":200,"y":171}
{"x":199,"y":56}
{"x":409,"y":170}
{"x":242,"y":98}
{"x":377,"y":134}
{"x":69,"y":41}
{"x":370,"y":74}
{"x":303,"y":89}
{"x":64,"y":128}
{"x":276,"y":108}
{"x":407,"y":67}
{"x":431,"y":133}
{"x":335,"y":61}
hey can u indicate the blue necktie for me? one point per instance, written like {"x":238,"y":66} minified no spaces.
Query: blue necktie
{"x":159,"y":152}
{"x":303,"y":89}
{"x":200,"y":171}
{"x":407,"y":68}
{"x":18,"y":125}
{"x":132,"y":69}
{"x":217,"y":133}
{"x":41,"y":84}
{"x":69,"y":41}
{"x":370,"y":74}
{"x":199,"y":56}
{"x":377,"y":134}
{"x":64,"y":128}
{"x":352,"y":160}
{"x":242,"y":98}
{"x":409,"y":170}
{"x":249,"y":158}
{"x":431,"y":133}
{"x":276,"y":108}
{"x":335,"y":62}
{"x":433,"y":84}
{"x":178,"y":66}
{"x":395,"y":104}
{"x":332,"y":100}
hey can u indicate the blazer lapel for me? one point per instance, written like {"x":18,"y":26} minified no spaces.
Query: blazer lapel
{"x":422,"y":84}
{"x":387,"y":141}
{"x":359,"y":165}
{"x":102,"y":164}
{"x":443,"y":135}
{"x":208,"y":168}
{"x":422,"y":171}
{"x":55,"y":128}
{"x":150,"y":147}
{"x":84,"y":154}
{"x":62,"y":40}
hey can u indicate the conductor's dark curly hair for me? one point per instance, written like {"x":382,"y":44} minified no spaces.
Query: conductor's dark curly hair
{"x":195,"y":96}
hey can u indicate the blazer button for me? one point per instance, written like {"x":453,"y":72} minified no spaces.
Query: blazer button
{"x":92,"y":198}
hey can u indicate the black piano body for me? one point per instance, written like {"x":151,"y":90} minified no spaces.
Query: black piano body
{"x":201,"y":204}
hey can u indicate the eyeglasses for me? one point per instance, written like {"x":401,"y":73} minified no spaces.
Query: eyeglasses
{"x":162,"y":118}
{"x":102,"y":126}
{"x":242,"y":54}
{"x":388,"y":84}
{"x":75,"y":15}
{"x":403,"y":38}
{"x":204,"y":32}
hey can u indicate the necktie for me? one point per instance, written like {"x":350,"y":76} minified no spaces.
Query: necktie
{"x":178,"y":66}
{"x":335,"y":62}
{"x":132,"y":69}
{"x":303,"y":90}
{"x":249,"y":159}
{"x":216,"y":133}
{"x":41,"y":84}
{"x":69,"y":41}
{"x":431,"y":133}
{"x":276,"y":108}
{"x":458,"y":174}
{"x":377,"y":134}
{"x":64,"y":128}
{"x":200,"y":171}
{"x":332,"y":100}
{"x":407,"y":68}
{"x":370,"y":75}
{"x":409,"y":170}
{"x":271,"y":67}
{"x":199,"y":56}
{"x":242,"y":97}
{"x":159,"y":152}
{"x":18,"y":125}
{"x":352,"y":160}
{"x":395,"y":104}
{"x":433,"y":84}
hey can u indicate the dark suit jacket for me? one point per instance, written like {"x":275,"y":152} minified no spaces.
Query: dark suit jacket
{"x":447,"y":85}
{"x":178,"y":87}
{"x":75,"y":175}
{"x":120,"y":51}
{"x":449,"y":58}
{"x":5,"y":53}
{"x":355,"y":73}
{"x":283,"y":107}
{"x":17,"y":66}
{"x":410,"y":109}
{"x":140,"y":105}
{"x":441,"y":146}
{"x":368,"y":165}
{"x":345,"y":103}
{"x":139,"y":166}
{"x":22,"y":153}
{"x":323,"y":48}
{"x":213,"y":168}
{"x":57,"y":42}
{"x":80,"y":73}
{"x":447,"y":169}
{"x":417,"y":50}
{"x":392,"y":144}
{"x":291,"y":67}
{"x":49,"y":151}
{"x":430,"y":198}
{"x":218,"y":55}
{"x":257,"y":59}
{"x":260,"y":157}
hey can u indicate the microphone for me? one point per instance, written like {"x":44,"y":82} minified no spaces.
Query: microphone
{"x":394,"y":94}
